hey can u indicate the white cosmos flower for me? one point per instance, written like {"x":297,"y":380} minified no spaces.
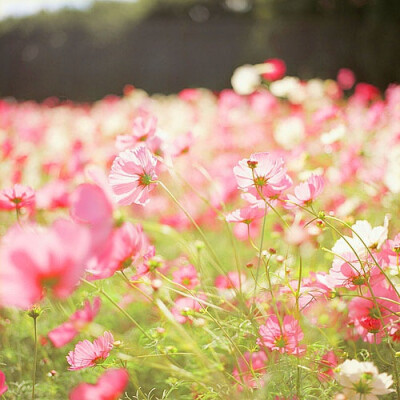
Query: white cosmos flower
{"x":373,"y":238}
{"x":245,"y":79}
{"x":362,"y":380}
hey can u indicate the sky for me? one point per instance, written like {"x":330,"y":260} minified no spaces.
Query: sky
{"x":19,"y":8}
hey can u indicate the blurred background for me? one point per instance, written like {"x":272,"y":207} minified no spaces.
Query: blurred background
{"x":84,"y":49}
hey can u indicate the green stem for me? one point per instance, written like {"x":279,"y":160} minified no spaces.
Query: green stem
{"x":34,"y":357}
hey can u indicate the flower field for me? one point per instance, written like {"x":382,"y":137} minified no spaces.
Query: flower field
{"x":232,"y":245}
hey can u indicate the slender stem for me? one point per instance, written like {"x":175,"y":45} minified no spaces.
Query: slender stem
{"x":116,"y":305}
{"x":34,"y":357}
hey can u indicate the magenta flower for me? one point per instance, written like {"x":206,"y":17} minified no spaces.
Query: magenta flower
{"x":252,"y":367}
{"x":132,"y":176}
{"x":87,"y":354}
{"x":283,"y":337}
{"x":3,"y":386}
{"x":263,"y":175}
{"x":109,"y":386}
{"x":17,"y":197}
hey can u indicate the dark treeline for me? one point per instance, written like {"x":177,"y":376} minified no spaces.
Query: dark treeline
{"x":164,"y":46}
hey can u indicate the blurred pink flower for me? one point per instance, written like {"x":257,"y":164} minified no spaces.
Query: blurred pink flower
{"x":17,"y":197}
{"x":109,"y":386}
{"x":251,"y":369}
{"x":306,"y":192}
{"x":67,"y":331}
{"x":284,"y":338}
{"x":3,"y":386}
{"x":346,"y":78}
{"x":276,"y":69}
{"x":34,"y":259}
{"x":87,"y":354}
{"x":132,"y":175}
{"x":186,"y":276}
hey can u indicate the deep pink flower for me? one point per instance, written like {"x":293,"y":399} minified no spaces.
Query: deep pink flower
{"x":87,"y":354}
{"x":132,"y":176}
{"x":186,"y":276}
{"x":284,"y":338}
{"x":17,"y":197}
{"x":110,"y":386}
{"x":370,"y":317}
{"x":3,"y":386}
{"x":67,"y":331}
{"x":276,"y":69}
{"x":326,"y":365}
{"x":34,"y":259}
{"x":306,"y":192}
{"x":262,"y":173}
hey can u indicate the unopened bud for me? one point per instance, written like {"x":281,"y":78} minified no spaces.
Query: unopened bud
{"x":252,"y":164}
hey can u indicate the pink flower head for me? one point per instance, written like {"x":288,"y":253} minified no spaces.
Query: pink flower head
{"x":124,"y":248}
{"x":110,"y":386}
{"x":132,"y":176}
{"x":91,"y":206}
{"x":326,"y":365}
{"x":246,"y":215}
{"x":285,"y":338}
{"x":275,"y":69}
{"x":186,"y":276}
{"x":370,"y":318}
{"x":184,"y":306}
{"x":67,"y":331}
{"x":3,"y":386}
{"x":229,"y":281}
{"x":306,"y":192}
{"x":36,"y":259}
{"x":263,"y":174}
{"x":87,"y":354}
{"x":143,"y":130}
{"x":17,"y":197}
{"x":251,"y":364}
{"x":346,"y":78}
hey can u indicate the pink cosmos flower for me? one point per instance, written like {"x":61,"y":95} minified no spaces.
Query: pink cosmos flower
{"x":246,"y":215}
{"x":90,"y":206}
{"x":184,"y":306}
{"x":252,"y":363}
{"x":34,"y":259}
{"x":326,"y":365}
{"x":285,"y":338}
{"x":229,"y":281}
{"x":306,"y":192}
{"x":143,"y":130}
{"x":186,"y":276}
{"x":132,"y":176}
{"x":126,"y":245}
{"x":17,"y":197}
{"x":262,"y":173}
{"x":87,"y":354}
{"x":3,"y":386}
{"x":67,"y":331}
{"x":110,"y":386}
{"x":369,"y":318}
